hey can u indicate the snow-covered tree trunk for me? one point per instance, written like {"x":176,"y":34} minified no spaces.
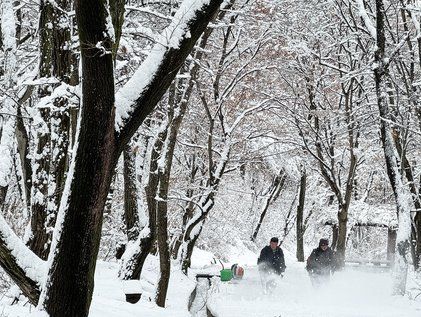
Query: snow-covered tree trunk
{"x":136,"y":219}
{"x":131,"y":192}
{"x":392,"y":162}
{"x":7,"y":108}
{"x":76,"y":241}
{"x":52,"y":139}
{"x":25,"y":268}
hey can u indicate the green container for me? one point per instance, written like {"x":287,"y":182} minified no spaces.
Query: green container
{"x":226,"y":275}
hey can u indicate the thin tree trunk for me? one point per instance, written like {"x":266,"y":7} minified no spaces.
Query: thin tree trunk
{"x":408,"y":171}
{"x":131,"y":212}
{"x":392,"y":163}
{"x":391,"y":244}
{"x":162,"y":237}
{"x":300,"y":216}
{"x":117,"y":17}
{"x":273,"y":191}
{"x":132,"y":265}
{"x":25,"y":162}
{"x":335,"y":234}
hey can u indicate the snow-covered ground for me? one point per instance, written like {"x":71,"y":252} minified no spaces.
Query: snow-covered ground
{"x":351,"y":293}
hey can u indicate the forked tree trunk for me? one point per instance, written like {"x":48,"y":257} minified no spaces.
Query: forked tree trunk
{"x":133,"y":262}
{"x":272,"y":193}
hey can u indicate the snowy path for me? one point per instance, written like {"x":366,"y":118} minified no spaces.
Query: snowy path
{"x":351,"y":293}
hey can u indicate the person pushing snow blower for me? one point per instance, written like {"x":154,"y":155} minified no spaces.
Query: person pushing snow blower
{"x":271,"y":263}
{"x":321,"y":263}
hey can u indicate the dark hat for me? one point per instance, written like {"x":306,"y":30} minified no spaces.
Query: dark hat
{"x":274,"y":239}
{"x":323,"y":242}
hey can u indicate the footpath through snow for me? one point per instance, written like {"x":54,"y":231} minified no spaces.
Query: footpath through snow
{"x":350,"y":293}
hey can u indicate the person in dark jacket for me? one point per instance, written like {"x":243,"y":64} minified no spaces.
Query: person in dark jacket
{"x":321,"y":263}
{"x":271,"y":263}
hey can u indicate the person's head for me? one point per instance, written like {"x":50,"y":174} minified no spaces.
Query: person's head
{"x":324,"y":244}
{"x":274,"y":243}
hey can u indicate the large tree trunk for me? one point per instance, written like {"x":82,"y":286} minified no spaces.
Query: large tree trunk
{"x":391,"y":157}
{"x":77,"y":246}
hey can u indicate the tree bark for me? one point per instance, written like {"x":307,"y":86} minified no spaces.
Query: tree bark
{"x":25,"y":162}
{"x":391,"y":244}
{"x":300,"y":216}
{"x":131,"y":212}
{"x":71,"y":275}
{"x":51,"y":154}
{"x":162,"y":237}
{"x":117,"y":17}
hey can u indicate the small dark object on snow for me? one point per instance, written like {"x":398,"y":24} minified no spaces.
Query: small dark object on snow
{"x":133,"y":298}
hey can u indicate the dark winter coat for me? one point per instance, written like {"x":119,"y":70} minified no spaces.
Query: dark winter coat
{"x":272,"y":260}
{"x":321,"y":262}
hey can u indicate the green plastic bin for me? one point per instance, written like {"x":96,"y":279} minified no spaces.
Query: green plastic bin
{"x":226,"y":275}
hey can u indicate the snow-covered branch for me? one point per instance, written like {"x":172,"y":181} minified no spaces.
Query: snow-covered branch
{"x":139,"y":93}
